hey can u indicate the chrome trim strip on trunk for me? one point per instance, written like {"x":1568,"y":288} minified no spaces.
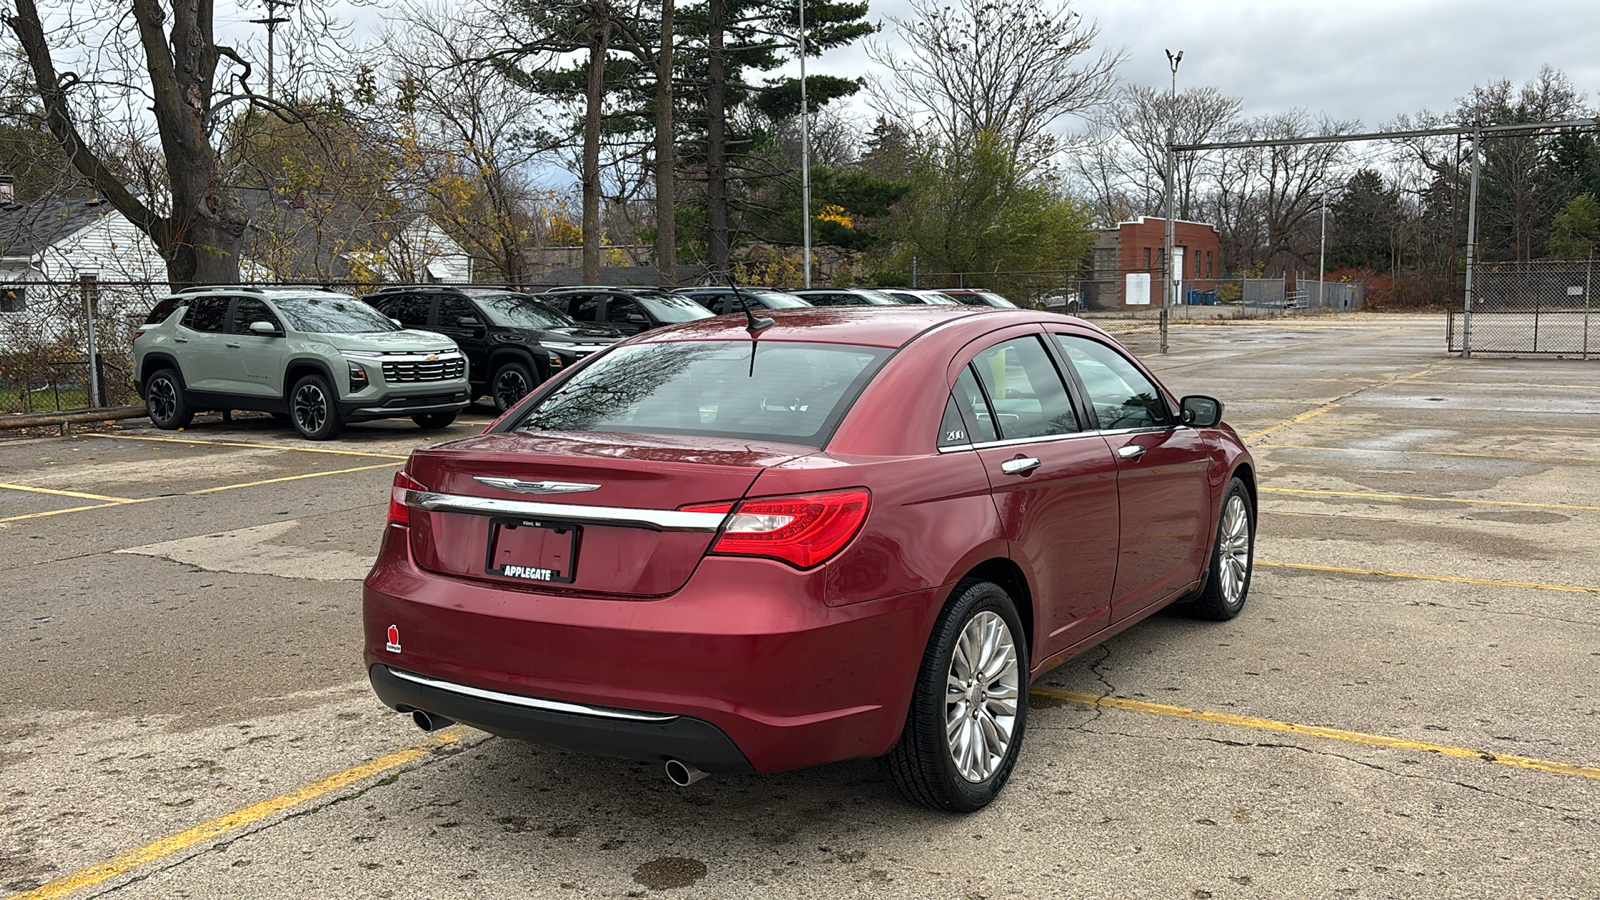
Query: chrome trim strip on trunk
{"x":560,"y":706}
{"x":654,"y":519}
{"x":536,"y":487}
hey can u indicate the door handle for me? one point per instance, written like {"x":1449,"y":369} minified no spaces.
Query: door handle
{"x":1130,"y":451}
{"x":1019,"y":466}
{"x":179,"y":340}
{"x":231,"y":344}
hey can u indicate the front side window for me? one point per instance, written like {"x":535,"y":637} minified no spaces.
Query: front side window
{"x":585,"y":308}
{"x":248,"y":310}
{"x":796,"y":392}
{"x":332,"y":314}
{"x":1122,"y":396}
{"x":208,"y":314}
{"x":1024,"y":389}
{"x":453,"y":309}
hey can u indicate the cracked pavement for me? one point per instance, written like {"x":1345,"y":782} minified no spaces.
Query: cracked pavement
{"x":213,"y":664}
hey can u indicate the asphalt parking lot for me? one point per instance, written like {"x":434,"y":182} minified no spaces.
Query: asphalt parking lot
{"x":1408,"y":707}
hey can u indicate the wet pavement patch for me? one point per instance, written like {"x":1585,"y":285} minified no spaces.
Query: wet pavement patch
{"x":669,"y":872}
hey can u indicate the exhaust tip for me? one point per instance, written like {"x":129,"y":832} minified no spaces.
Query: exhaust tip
{"x":682,"y":774}
{"x":428,"y":721}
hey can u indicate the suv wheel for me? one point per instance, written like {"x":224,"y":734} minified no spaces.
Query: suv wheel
{"x":511,"y":383}
{"x":969,"y":706}
{"x":434,"y":421}
{"x":164,"y":401}
{"x":313,"y":410}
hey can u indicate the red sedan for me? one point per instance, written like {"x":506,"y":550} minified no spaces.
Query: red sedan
{"x":854,"y":533}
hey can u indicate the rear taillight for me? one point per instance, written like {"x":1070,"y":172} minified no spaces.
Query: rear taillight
{"x":399,"y":512}
{"x":804,"y":530}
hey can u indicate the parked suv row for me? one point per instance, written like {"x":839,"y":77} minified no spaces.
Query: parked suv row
{"x":512,"y":340}
{"x":316,"y":358}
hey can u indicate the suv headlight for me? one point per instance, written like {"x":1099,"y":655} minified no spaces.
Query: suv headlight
{"x":360,"y":354}
{"x":358,"y":376}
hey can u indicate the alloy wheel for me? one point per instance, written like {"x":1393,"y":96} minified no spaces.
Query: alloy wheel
{"x":310,"y":408}
{"x":509,"y":387}
{"x":163,"y":399}
{"x":1234,"y":549}
{"x":981,"y":693}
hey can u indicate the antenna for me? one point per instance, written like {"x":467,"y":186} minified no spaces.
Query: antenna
{"x":753,"y":324}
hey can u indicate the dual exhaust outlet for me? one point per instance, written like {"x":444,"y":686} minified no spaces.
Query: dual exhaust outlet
{"x":679,"y":772}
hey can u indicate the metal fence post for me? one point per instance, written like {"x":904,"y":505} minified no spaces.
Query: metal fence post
{"x":1588,"y":301}
{"x":88,"y":316}
{"x":1472,"y":247}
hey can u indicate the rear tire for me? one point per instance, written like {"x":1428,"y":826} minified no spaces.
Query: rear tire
{"x":969,"y":707}
{"x":314,"y":410}
{"x":1232,"y":558}
{"x":164,"y":401}
{"x":434,"y":421}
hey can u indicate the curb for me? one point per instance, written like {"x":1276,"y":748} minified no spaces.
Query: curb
{"x":64,"y":419}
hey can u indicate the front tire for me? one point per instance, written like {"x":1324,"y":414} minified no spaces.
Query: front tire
{"x":434,"y":421}
{"x":969,"y":707}
{"x":165,"y":403}
{"x":511,"y":383}
{"x":1232,"y":558}
{"x":313,"y":409}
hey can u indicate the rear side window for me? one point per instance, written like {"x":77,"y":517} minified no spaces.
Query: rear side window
{"x":410,"y":309}
{"x":966,"y":414}
{"x":585,"y":307}
{"x":1025,"y":391}
{"x":795,"y":393}
{"x":207,"y":314}
{"x":161,"y":313}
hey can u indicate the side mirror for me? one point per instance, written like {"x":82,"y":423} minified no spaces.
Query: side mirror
{"x":468,"y":322}
{"x":397,"y":322}
{"x":636,"y":319}
{"x":1201,"y":412}
{"x":266,"y":329}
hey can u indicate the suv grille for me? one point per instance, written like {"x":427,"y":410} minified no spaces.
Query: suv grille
{"x":424,"y":370}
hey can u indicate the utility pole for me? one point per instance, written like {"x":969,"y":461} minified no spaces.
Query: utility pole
{"x":1322,"y":251}
{"x":1168,"y":282}
{"x":1472,"y":245}
{"x":805,"y":149}
{"x":272,"y":21}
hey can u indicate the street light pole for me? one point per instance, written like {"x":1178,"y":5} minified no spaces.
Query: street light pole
{"x":1168,"y":271}
{"x":805,"y":150}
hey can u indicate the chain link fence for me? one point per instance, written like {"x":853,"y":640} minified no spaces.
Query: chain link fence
{"x":1547,"y":306}
{"x":45,"y":336}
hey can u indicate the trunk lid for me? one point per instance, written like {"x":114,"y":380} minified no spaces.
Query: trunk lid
{"x":550,"y":551}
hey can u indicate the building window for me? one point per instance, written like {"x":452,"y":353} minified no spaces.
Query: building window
{"x":1210,"y":271}
{"x":1147,"y":257}
{"x":13,"y":299}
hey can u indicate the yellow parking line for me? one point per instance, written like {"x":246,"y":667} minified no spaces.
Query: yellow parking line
{"x":129,"y":437}
{"x":1507,"y":430}
{"x":73,"y":509}
{"x":1294,"y":421}
{"x":123,"y":863}
{"x":1364,"y":495}
{"x":1332,"y":734}
{"x":1567,"y":588}
{"x":230,"y":487}
{"x":1571,"y":459}
{"x":74,"y":494}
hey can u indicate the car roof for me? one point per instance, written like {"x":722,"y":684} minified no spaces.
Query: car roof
{"x":882,"y":326}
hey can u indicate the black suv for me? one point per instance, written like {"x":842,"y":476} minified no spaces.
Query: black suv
{"x":512,"y":340}
{"x":630,"y":310}
{"x":721,"y":300}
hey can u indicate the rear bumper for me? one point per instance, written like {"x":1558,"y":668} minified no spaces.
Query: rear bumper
{"x":746,"y":653}
{"x":630,"y":734}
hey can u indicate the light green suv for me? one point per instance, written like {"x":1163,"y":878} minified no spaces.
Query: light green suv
{"x":316,"y":358}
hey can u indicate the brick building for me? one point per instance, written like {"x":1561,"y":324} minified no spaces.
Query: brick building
{"x":1138,"y":249}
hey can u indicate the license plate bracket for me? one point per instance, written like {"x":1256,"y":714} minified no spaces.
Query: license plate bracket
{"x":532,"y":550}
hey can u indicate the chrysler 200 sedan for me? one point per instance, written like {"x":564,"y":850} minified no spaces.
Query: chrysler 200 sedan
{"x":854,"y":533}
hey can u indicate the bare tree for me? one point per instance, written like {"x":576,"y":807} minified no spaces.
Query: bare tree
{"x":1139,"y":119}
{"x":1012,"y":68}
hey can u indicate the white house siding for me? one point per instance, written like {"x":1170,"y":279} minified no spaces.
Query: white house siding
{"x":128,"y":271}
{"x":424,"y":253}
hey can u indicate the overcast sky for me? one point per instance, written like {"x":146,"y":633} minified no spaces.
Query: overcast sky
{"x":1353,"y":59}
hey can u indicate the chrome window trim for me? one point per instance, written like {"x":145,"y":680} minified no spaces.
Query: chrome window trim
{"x":560,"y":706}
{"x":1013,"y":442}
{"x":654,"y":519}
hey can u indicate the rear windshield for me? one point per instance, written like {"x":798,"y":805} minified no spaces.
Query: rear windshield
{"x":796,"y":393}
{"x":673,"y":307}
{"x":332,"y":314}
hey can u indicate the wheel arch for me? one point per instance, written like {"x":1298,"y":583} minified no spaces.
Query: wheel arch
{"x":503,"y":355}
{"x":155,"y":362}
{"x":1009,"y":576}
{"x":300,"y":367}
